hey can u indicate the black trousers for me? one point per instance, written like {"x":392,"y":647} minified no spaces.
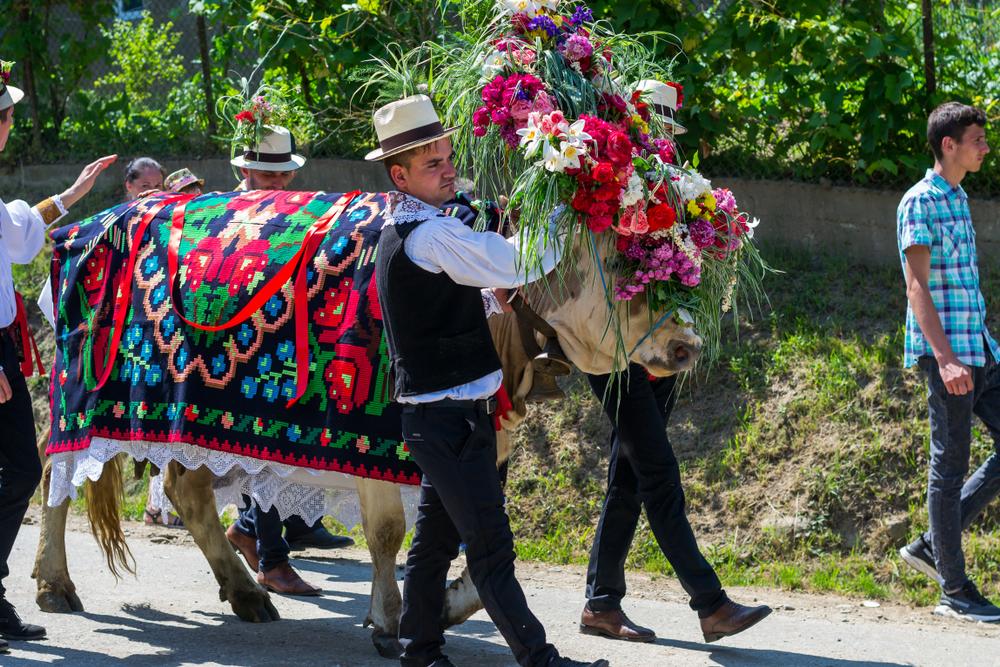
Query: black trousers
{"x":20,"y":468}
{"x":643,"y":472}
{"x":461,"y":501}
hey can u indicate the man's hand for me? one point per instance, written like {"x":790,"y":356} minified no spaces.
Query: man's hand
{"x":956,"y":376}
{"x":85,"y":181}
{"x":6,"y":393}
{"x":504,"y":296}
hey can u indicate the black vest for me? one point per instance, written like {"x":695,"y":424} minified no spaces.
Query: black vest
{"x":436,"y":329}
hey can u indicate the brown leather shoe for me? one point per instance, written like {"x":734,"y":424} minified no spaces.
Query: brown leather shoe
{"x":246,"y":545}
{"x":614,"y":624}
{"x":284,"y":579}
{"x":731,"y":619}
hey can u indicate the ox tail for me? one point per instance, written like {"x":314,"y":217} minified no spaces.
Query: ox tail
{"x":105,"y":499}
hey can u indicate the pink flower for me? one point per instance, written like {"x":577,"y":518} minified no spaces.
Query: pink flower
{"x":481,"y":116}
{"x":524,"y":57}
{"x":479,"y":131}
{"x":520,"y":110}
{"x":599,"y":223}
{"x":500,"y":116}
{"x":577,"y":47}
{"x":543,"y":103}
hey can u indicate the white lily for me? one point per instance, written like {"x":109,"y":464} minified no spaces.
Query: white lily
{"x":531,"y":136}
{"x":575,"y":133}
{"x":752,"y":226}
{"x":552,"y":159}
{"x":571,"y":155}
{"x":494,"y":64}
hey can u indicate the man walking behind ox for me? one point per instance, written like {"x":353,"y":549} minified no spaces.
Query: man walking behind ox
{"x":946,"y":335}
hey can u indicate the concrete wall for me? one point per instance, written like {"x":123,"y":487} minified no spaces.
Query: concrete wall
{"x":856,"y":222}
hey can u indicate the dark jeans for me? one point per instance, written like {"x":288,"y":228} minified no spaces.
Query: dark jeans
{"x":461,"y":501}
{"x":266,"y":527}
{"x":20,"y":468}
{"x":644,"y":472}
{"x":952,"y":505}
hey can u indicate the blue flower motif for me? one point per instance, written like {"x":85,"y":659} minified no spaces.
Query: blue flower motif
{"x":172,"y":410}
{"x":159,"y":294}
{"x":270,"y":391}
{"x":136,"y":374}
{"x":147,"y":350}
{"x":273,"y":306}
{"x":357,"y":214}
{"x":245,"y":335}
{"x":249,"y":387}
{"x":339,"y":246}
{"x":168,"y":325}
{"x":182,"y":359}
{"x":288,"y":389}
{"x":133,"y":336}
{"x":151,"y":265}
{"x":293,"y":432}
{"x":286,"y":350}
{"x":126,"y":370}
{"x":264,"y":363}
{"x":154,"y":375}
{"x":219,"y":364}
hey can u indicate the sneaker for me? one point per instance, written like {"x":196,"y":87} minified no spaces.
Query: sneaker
{"x":12,"y":627}
{"x":919,"y":555}
{"x":968,"y":604}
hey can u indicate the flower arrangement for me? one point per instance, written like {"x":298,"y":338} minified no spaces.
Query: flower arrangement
{"x":553,"y":97}
{"x":5,"y":69}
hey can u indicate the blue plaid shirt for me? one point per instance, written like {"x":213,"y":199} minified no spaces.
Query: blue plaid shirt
{"x":935,"y":214}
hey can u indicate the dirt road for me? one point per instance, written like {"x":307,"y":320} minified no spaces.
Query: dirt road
{"x":171,"y":615}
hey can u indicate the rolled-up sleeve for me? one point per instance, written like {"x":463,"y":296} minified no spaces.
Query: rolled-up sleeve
{"x":480,"y":259}
{"x":22,"y":232}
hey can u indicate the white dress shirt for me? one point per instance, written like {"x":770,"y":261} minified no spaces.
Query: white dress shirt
{"x":22,"y":235}
{"x":477,"y":259}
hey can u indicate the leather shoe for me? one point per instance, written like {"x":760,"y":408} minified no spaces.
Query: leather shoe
{"x":566,"y":662}
{"x":246,"y":545}
{"x":319,"y":538}
{"x":12,"y":627}
{"x":731,"y":619}
{"x":614,"y":624}
{"x":285,"y":580}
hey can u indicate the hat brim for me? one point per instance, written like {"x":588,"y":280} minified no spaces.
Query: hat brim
{"x":379,"y":154}
{"x":294,"y":163}
{"x":676,"y":127}
{"x":180,"y":185}
{"x":10,"y":97}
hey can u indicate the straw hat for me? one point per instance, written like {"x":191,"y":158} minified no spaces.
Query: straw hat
{"x":180,"y":179}
{"x":663,"y":99}
{"x":276,"y":152}
{"x":405,"y":124}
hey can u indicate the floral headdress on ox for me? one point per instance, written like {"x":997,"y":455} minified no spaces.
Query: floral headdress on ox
{"x":556,"y":122}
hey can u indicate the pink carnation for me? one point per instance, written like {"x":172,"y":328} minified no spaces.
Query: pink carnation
{"x":577,"y":47}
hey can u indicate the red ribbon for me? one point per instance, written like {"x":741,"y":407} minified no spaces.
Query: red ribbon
{"x":123,"y":298}
{"x":30,"y":347}
{"x":300,"y":261}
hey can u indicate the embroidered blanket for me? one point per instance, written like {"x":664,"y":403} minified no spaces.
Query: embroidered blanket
{"x":244,"y":323}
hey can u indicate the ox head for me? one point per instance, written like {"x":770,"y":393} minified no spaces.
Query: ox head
{"x":578,"y":309}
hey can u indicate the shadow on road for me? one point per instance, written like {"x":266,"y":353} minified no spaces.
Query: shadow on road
{"x":732,"y":656}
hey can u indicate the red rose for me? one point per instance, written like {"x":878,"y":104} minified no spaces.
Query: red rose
{"x":607,"y":192}
{"x":582,"y":200}
{"x":619,"y":148}
{"x":661,"y":217}
{"x":599,"y":223}
{"x":603,"y":172}
{"x":245,"y":117}
{"x":599,"y":209}
{"x":622,"y":243}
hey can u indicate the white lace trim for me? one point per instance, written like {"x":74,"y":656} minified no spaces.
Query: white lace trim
{"x":305,"y":492}
{"x":404,"y":208}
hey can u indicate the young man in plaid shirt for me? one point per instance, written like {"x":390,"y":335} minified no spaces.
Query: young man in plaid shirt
{"x":946,"y":336}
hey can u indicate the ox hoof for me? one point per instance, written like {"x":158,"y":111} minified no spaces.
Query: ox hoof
{"x":254,"y":607}
{"x":387,"y":645}
{"x":58,"y":601}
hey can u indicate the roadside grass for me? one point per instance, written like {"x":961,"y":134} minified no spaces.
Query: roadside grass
{"x":803,"y":451}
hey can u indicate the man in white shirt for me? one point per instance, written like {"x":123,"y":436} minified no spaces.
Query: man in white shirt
{"x":22,"y":234}
{"x":430,"y":268}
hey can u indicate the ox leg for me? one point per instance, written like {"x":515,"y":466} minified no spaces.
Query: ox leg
{"x":191,"y":493}
{"x":385,"y":526}
{"x":461,"y":600}
{"x":56,"y":591}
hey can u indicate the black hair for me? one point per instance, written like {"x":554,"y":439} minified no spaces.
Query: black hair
{"x":951,"y":120}
{"x":135,"y":168}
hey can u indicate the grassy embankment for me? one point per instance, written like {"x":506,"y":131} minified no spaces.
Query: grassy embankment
{"x":804,"y":452}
